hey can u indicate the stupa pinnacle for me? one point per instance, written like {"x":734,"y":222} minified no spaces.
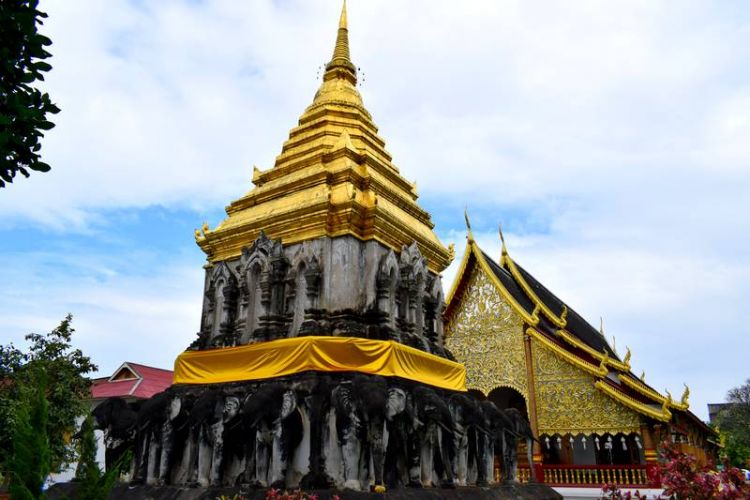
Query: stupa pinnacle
{"x":333,"y":177}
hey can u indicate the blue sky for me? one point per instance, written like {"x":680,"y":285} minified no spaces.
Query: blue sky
{"x":611,"y":139}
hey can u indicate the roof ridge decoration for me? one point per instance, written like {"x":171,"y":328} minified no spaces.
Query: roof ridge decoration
{"x":598,"y":371}
{"x":333,"y":177}
{"x":662,"y":415}
{"x":645,"y":390}
{"x":623,"y":366}
{"x":506,"y":261}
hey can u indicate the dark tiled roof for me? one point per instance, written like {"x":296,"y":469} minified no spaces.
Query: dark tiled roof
{"x":575,"y":323}
{"x":507,"y":280}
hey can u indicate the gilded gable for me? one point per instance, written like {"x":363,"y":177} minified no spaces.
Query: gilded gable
{"x":486,"y":335}
{"x":568,"y":402}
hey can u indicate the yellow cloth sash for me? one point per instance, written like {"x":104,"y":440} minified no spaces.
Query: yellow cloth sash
{"x":282,"y":357}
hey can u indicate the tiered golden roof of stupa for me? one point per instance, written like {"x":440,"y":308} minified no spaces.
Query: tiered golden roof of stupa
{"x":333,"y":177}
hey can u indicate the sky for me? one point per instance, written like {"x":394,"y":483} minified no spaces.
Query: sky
{"x":610,"y":139}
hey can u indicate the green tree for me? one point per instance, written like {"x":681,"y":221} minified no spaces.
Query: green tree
{"x":29,"y":454}
{"x":66,"y":392}
{"x":23,"y":107}
{"x":734,"y":425}
{"x":93,"y":484}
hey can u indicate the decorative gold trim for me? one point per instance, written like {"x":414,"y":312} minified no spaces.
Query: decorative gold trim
{"x":643,"y":389}
{"x":560,"y":322}
{"x":571,"y":358}
{"x":590,"y":432}
{"x":459,"y":277}
{"x":576,"y":342}
{"x":530,"y":319}
{"x":662,"y":415}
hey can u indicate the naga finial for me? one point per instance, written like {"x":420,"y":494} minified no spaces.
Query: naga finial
{"x":564,"y":316}
{"x":205,"y":228}
{"x":685,"y":395}
{"x":626,"y":359}
{"x":502,"y":239}
{"x":470,"y":235}
{"x":451,"y":252}
{"x":197,"y":234}
{"x":643,"y":375}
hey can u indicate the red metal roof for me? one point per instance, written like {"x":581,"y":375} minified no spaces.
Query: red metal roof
{"x":148,"y":381}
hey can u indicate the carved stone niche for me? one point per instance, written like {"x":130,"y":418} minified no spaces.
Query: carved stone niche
{"x":219,"y":308}
{"x":304,"y":284}
{"x":262,"y":269}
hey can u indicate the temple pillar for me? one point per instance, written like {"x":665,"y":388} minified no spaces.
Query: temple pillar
{"x":651,"y":456}
{"x":536,"y":470}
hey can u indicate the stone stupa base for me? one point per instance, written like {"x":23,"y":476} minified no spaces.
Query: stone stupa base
{"x":128,"y":492}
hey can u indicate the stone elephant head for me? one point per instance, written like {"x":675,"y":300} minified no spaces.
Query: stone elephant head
{"x":118,"y":420}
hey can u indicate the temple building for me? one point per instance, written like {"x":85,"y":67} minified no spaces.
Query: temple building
{"x":524,"y":347}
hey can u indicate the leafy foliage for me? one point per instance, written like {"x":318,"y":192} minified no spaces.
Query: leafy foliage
{"x":613,"y":492}
{"x":50,"y":356}
{"x":734,"y":425}
{"x":29,"y":455}
{"x":683,"y":478}
{"x":23,"y":108}
{"x":93,"y":483}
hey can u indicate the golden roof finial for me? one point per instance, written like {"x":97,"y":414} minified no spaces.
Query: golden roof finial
{"x":685,"y":395}
{"x":502,"y":239}
{"x":601,"y":325}
{"x":626,"y":359}
{"x":643,"y":375}
{"x":341,"y":59}
{"x":470,"y":235}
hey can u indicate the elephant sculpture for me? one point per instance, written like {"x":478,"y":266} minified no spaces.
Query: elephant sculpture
{"x":117,"y":419}
{"x":468,"y":425}
{"x":151,"y":420}
{"x":519,"y":429}
{"x":272,"y":411}
{"x":402,"y":449}
{"x":210,"y":413}
{"x":497,"y":425}
{"x":434,"y":431}
{"x":360,"y":407}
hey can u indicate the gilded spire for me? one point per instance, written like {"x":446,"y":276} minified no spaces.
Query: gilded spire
{"x":341,"y":65}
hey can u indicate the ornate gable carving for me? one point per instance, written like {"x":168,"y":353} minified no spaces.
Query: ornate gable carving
{"x":486,"y":335}
{"x":567,"y":400}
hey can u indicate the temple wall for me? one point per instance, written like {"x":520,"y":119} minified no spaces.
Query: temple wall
{"x":486,"y":335}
